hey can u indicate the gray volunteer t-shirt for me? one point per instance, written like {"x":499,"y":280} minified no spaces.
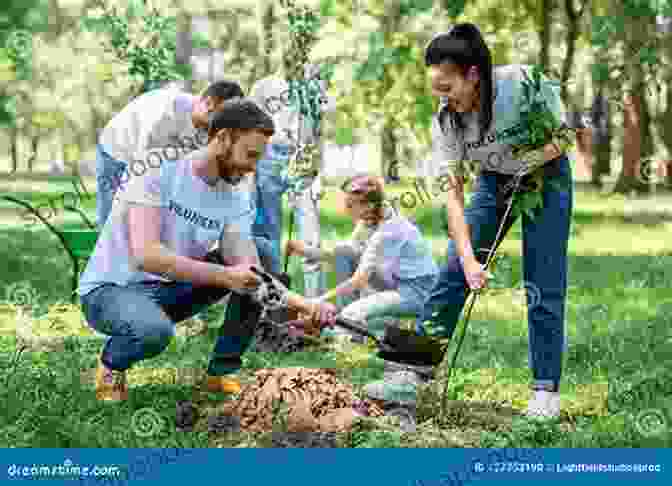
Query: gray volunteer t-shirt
{"x":494,"y":152}
{"x":193,"y":217}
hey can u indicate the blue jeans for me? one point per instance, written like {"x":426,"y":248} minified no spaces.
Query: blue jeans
{"x":271,"y":185}
{"x":383,"y":299}
{"x":545,"y":241}
{"x":140,"y":320}
{"x":108,"y":174}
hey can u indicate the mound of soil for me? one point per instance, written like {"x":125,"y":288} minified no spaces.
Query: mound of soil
{"x":315,"y":401}
{"x":280,"y":338}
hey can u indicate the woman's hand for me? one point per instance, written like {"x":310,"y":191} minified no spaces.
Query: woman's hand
{"x":294,"y":247}
{"x":475,"y":274}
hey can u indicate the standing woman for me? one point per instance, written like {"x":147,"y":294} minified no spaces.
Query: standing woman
{"x":479,"y":119}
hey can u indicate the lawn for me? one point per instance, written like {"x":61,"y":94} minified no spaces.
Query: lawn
{"x":618,"y":324}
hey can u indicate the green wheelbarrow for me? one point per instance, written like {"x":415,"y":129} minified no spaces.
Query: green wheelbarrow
{"x":78,"y":243}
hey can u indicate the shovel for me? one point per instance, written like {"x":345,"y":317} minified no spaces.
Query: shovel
{"x":401,"y":345}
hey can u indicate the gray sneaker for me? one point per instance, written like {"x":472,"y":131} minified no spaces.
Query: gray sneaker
{"x":399,"y":384}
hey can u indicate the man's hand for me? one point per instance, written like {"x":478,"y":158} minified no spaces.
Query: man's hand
{"x":322,"y":314}
{"x":240,"y":277}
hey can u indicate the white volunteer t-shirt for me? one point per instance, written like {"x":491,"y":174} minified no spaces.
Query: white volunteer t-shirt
{"x":193,"y":217}
{"x":157,"y":119}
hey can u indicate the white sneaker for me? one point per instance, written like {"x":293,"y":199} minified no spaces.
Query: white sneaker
{"x":544,"y":404}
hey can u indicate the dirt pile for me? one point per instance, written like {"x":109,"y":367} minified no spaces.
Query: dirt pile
{"x":313,"y":399}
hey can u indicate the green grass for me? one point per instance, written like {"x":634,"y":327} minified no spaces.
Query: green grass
{"x":618,"y":321}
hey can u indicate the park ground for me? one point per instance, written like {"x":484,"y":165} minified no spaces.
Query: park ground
{"x":619,"y":311}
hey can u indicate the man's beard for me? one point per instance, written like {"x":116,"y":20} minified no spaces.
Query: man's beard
{"x":223,"y":172}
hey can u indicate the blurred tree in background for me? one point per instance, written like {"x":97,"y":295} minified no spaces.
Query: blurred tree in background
{"x":61,"y":82}
{"x":19,"y":21}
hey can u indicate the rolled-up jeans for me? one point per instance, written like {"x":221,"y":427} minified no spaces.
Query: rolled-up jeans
{"x":108,"y":176}
{"x":383,"y":299}
{"x":545,"y":241}
{"x":140,"y":319}
{"x":271,"y":184}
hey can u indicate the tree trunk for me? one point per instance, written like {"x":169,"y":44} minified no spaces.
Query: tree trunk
{"x":664,"y":122}
{"x":600,"y":137}
{"x":389,"y":140}
{"x":574,"y":17}
{"x":34,"y":146}
{"x":14,"y":148}
{"x":545,"y":25}
{"x":267,"y":42}
{"x":637,"y":139}
{"x":183,"y":46}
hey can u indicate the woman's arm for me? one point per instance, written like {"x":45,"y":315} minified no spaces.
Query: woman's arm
{"x":457,"y":226}
{"x":373,"y":257}
{"x":322,"y":254}
{"x":358,"y":281}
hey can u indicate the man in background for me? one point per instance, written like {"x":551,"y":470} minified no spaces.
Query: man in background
{"x":274,"y":178}
{"x":166,"y":119}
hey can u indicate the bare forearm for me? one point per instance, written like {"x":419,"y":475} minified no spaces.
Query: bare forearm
{"x":457,"y":226}
{"x":160,"y":261}
{"x":346,"y":288}
{"x":357,"y":282}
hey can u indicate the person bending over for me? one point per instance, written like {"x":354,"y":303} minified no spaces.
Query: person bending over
{"x":151,"y":266}
{"x":164,"y":118}
{"x":480,"y":118}
{"x":386,"y":261}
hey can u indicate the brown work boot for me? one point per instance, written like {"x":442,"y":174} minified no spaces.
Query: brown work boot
{"x":223,"y":384}
{"x":111,"y":385}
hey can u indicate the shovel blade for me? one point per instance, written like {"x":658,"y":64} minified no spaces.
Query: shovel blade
{"x":409,"y":348}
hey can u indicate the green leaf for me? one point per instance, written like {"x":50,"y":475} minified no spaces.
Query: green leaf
{"x":200,"y":41}
{"x":666,"y":9}
{"x":8,"y":111}
{"x":186,"y":71}
{"x":345,"y":136}
{"x":370,"y":70}
{"x":600,"y":72}
{"x":424,"y":110}
{"x":95,"y":24}
{"x":415,"y":7}
{"x":327,"y":71}
{"x":648,"y":55}
{"x":603,"y":29}
{"x":135,"y":9}
{"x":173,"y":345}
{"x":638,"y":8}
{"x":327,"y":8}
{"x":455,"y":8}
{"x":401,"y":55}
